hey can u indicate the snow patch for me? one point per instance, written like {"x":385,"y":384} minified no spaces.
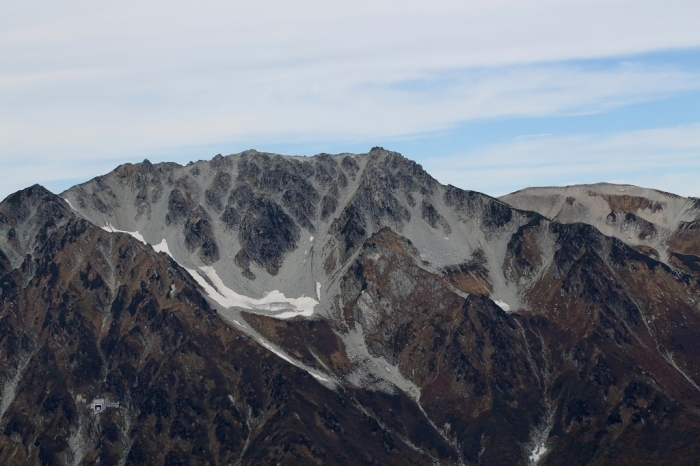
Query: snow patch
{"x":503,"y":305}
{"x":318,"y":291}
{"x":108,"y":227}
{"x":311,"y":239}
{"x":71,"y":205}
{"x":318,"y":377}
{"x":538,"y":442}
{"x":240,"y":324}
{"x":162,"y":247}
{"x":275,"y":304}
{"x":537,"y":453}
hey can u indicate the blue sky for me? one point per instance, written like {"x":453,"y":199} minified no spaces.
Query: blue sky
{"x":491,"y":96}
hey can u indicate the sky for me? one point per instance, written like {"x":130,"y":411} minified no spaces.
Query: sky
{"x":492,"y":96}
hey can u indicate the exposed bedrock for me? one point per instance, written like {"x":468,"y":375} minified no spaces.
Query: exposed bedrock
{"x":266,"y":234}
{"x":199,"y":235}
{"x":453,"y":327}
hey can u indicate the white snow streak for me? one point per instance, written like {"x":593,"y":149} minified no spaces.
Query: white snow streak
{"x":318,"y":377}
{"x":71,"y":206}
{"x":503,"y":305}
{"x":162,"y":247}
{"x":275,"y":303}
{"x":277,"y":352}
{"x":108,"y":227}
{"x":238,"y":323}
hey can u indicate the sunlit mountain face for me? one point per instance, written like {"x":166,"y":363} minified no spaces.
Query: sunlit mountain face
{"x":346,"y":309}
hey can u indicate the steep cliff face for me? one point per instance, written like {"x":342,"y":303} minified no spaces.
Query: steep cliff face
{"x":345,"y":309}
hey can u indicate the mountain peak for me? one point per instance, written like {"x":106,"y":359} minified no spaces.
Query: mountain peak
{"x":32,"y":194}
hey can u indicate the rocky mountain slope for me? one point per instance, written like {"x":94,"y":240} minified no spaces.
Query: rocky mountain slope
{"x":345,"y":309}
{"x":661,"y":225}
{"x":89,"y":314}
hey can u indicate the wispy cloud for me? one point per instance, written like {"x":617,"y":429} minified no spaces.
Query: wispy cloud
{"x":88,"y":81}
{"x":187,"y":109}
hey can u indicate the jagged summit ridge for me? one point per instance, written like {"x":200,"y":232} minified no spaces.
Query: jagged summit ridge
{"x":267,"y":222}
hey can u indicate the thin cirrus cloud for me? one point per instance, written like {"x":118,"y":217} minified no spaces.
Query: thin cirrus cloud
{"x":84,"y":86}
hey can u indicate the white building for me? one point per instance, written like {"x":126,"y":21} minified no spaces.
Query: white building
{"x":100,"y":404}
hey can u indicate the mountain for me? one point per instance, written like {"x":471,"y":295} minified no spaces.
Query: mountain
{"x":89,"y":314}
{"x":346,"y":309}
{"x":661,"y":225}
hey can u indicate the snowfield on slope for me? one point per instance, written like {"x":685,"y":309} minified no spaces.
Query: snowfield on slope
{"x":273,"y":304}
{"x":108,"y":227}
{"x":503,"y":305}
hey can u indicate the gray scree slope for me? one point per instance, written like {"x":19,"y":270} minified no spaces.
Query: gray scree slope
{"x":267,"y":222}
